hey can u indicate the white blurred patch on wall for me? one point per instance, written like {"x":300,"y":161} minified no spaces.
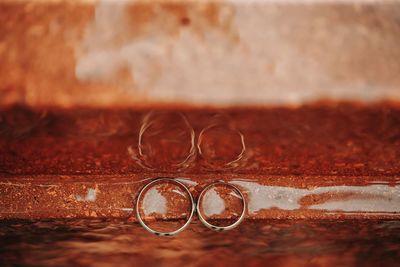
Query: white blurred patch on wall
{"x":268,"y":54}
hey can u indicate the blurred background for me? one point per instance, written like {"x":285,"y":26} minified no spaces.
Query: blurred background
{"x":105,"y":53}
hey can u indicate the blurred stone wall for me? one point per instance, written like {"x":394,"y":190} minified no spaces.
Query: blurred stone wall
{"x":134,"y":53}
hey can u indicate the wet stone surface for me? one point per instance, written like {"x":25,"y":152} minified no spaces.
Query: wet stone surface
{"x":276,"y":242}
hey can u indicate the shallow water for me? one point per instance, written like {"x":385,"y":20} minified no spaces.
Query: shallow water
{"x":254,"y":243}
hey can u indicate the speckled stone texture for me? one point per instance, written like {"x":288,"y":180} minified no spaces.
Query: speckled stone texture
{"x":315,"y":161}
{"x":97,"y":97}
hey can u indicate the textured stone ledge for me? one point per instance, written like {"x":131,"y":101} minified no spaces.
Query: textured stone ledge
{"x":267,"y":196}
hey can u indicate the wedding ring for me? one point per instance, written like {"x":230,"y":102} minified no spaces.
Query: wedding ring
{"x":176,"y":183}
{"x":236,"y":193}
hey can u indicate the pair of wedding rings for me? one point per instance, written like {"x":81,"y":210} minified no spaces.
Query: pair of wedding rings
{"x":194,"y":207}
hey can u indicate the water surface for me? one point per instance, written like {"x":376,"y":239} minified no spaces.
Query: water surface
{"x":253,"y":243}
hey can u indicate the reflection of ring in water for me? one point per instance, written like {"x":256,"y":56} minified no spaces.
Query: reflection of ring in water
{"x":211,"y":206}
{"x":221,"y":147}
{"x":166,"y":141}
{"x":163,"y":199}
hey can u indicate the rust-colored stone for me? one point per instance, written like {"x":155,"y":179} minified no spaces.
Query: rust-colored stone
{"x":87,"y":162}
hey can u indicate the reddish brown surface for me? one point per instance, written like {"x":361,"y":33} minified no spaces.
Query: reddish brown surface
{"x":344,"y":140}
{"x":51,"y":158}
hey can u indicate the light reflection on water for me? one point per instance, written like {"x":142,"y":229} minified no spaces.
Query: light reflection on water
{"x":276,"y":242}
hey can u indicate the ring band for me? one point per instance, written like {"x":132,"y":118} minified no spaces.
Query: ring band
{"x":215,"y":227}
{"x":142,"y":223}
